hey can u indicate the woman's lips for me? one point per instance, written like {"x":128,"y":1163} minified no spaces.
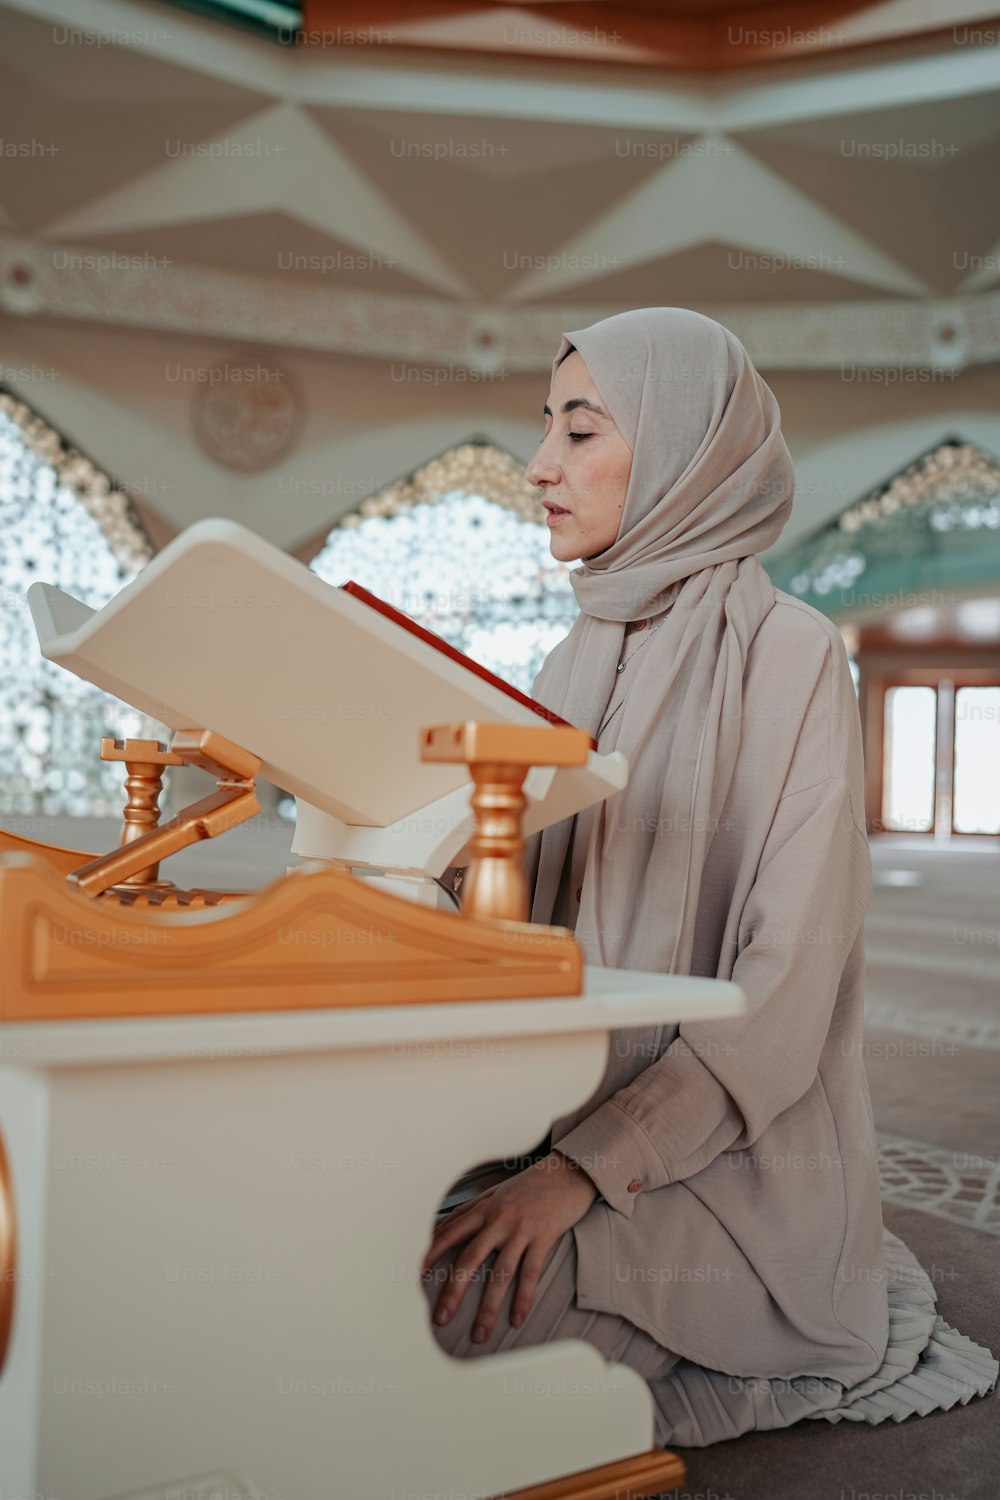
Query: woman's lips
{"x":553,"y":517}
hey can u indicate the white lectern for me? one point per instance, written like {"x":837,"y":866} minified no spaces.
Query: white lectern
{"x":220,"y":1227}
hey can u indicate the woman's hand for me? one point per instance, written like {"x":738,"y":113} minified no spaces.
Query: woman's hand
{"x":522,"y":1219}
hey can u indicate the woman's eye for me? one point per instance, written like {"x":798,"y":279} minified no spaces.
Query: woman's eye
{"x":579,"y":437}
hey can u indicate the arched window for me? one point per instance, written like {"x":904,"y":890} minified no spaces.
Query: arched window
{"x":462,"y":548}
{"x":62,"y":522}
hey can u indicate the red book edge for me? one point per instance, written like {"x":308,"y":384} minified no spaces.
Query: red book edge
{"x":357,"y":591}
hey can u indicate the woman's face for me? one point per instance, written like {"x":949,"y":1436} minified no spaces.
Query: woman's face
{"x":582,"y":465}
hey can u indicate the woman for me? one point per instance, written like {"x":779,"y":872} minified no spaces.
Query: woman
{"x":711,"y":1216}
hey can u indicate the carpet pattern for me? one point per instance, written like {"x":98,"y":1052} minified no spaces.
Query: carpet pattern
{"x":949,"y":1184}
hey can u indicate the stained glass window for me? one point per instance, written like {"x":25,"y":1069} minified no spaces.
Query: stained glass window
{"x":462,"y":548}
{"x":63,"y":523}
{"x":935,"y":526}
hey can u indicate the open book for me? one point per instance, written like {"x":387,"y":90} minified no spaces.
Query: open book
{"x":330,"y":687}
{"x":357,"y":591}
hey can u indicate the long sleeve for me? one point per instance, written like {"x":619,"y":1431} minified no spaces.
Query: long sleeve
{"x":721,"y":1084}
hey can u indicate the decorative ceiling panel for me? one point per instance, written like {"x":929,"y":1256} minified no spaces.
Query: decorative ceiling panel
{"x":355,"y":194}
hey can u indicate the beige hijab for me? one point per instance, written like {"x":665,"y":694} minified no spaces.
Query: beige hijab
{"x":711,"y":484}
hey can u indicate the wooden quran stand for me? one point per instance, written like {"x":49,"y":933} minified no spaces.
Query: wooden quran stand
{"x":110,"y":939}
{"x":499,"y":758}
{"x":125,"y":874}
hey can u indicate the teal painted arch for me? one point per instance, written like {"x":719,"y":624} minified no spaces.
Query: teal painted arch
{"x":929,"y":535}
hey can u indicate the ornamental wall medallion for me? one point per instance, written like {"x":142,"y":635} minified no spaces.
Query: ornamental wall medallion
{"x":247,"y":414}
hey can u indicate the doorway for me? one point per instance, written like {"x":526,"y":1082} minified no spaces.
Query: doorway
{"x":941,"y":755}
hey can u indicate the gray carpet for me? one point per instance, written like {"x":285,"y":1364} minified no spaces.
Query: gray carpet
{"x":933,"y":1061}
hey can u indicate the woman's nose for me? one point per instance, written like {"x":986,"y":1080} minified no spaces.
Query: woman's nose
{"x":541,"y":470}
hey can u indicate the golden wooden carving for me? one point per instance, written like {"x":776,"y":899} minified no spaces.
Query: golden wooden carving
{"x":317,"y":938}
{"x":144,"y":843}
{"x":499,"y":757}
{"x":105,"y":936}
{"x":145,"y":762}
{"x":63,"y":861}
{"x":8,"y":1253}
{"x":636,"y":1478}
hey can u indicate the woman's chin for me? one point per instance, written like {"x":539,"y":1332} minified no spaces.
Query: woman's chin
{"x":563,"y":548}
{"x":568,"y":545}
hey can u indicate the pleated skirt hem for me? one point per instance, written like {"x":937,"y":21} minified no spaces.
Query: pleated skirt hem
{"x":928,"y":1366}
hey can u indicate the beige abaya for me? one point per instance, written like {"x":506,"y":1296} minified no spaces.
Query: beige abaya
{"x":735,"y":1255}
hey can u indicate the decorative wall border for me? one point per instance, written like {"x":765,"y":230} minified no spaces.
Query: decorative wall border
{"x":948,"y":334}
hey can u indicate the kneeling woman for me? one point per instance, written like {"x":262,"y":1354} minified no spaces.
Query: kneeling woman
{"x":711,"y":1217}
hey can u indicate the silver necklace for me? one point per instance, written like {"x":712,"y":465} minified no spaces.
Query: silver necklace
{"x":623,"y":663}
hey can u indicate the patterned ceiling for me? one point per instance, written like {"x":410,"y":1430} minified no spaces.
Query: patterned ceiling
{"x":436,"y":206}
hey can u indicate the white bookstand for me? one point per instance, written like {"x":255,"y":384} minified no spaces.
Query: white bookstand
{"x":224,"y":631}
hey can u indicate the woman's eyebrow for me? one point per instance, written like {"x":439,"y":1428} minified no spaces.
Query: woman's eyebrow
{"x":571,"y":405}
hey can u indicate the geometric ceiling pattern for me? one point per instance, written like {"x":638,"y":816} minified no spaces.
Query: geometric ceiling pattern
{"x":412,"y":205}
